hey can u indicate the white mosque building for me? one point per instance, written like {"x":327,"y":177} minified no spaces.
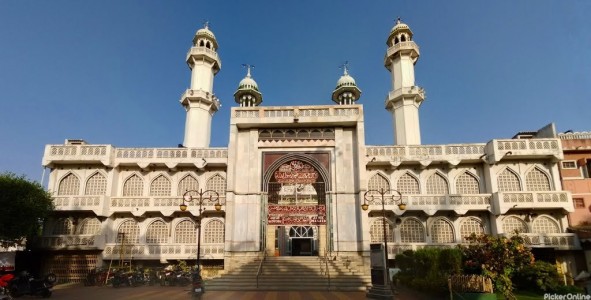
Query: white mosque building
{"x":292,"y":181}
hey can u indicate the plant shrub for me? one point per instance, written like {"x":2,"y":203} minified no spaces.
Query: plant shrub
{"x":541,"y":277}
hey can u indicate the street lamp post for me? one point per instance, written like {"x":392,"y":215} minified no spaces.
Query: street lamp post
{"x":188,"y":197}
{"x":386,"y":194}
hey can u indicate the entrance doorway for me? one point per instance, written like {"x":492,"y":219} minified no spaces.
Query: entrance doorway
{"x":301,"y":247}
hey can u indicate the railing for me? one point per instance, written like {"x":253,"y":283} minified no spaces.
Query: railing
{"x":94,"y":203}
{"x":79,"y":241}
{"x":326,"y":256}
{"x":538,"y":199}
{"x":165,"y":250}
{"x":425,"y":152}
{"x":555,"y":240}
{"x":294,"y":112}
{"x":432,"y":203}
{"x":201,"y":50}
{"x":171,"y":153}
{"x":259,"y":271}
{"x":584,"y":135}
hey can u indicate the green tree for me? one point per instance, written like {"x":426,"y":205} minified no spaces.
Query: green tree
{"x":24,"y":206}
{"x":498,"y":258}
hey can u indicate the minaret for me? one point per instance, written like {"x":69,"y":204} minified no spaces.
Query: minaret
{"x":346,"y":91}
{"x":405,"y":98}
{"x":247,"y":94}
{"x":199,"y":101}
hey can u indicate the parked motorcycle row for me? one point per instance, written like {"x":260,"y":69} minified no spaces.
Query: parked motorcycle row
{"x":133,"y":278}
{"x":12,"y":286}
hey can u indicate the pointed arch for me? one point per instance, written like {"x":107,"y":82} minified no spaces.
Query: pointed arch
{"x":437,"y":184}
{"x":376,"y":230}
{"x":160,"y":186}
{"x":408,"y":184}
{"x":128,"y":232}
{"x":96,"y":184}
{"x":396,"y":41}
{"x":537,"y":180}
{"x":217,"y":183}
{"x":378,"y":181}
{"x":512,"y":224}
{"x":403,"y":38}
{"x":89,"y":226}
{"x":62,"y":226}
{"x":545,"y":224}
{"x":442,"y":231}
{"x":508,"y":181}
{"x":157,"y":232}
{"x":467,"y":183}
{"x":189,"y":182}
{"x":208,"y":45}
{"x":69,"y":185}
{"x":322,"y":171}
{"x":469,"y":226}
{"x":213,"y":232}
{"x":133,"y":186}
{"x":412,"y":231}
{"x":185,"y":232}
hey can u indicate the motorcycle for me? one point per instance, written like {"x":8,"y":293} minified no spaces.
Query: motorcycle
{"x":197,"y":288}
{"x":4,"y":281}
{"x":25,"y":284}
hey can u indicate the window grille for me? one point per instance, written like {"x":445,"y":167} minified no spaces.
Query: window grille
{"x":508,"y":181}
{"x":134,"y":186}
{"x":160,"y":186}
{"x":467,"y":184}
{"x":442,"y":232}
{"x":96,"y":185}
{"x":214,"y":232}
{"x":90,"y":226}
{"x":536,"y":180}
{"x":131,"y":233}
{"x":513,"y":224}
{"x":376,"y":231}
{"x":579,"y":202}
{"x":301,"y":231}
{"x":544,"y":224}
{"x":378,"y":182}
{"x":218,"y":184}
{"x":437,"y":185}
{"x":408,"y":185}
{"x":70,"y":185}
{"x":412,"y":231}
{"x":157,"y":233}
{"x":185,"y":232}
{"x":470,"y":226}
{"x":63,"y":226}
{"x":188,"y":183}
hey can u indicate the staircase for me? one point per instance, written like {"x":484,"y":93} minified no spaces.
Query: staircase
{"x":290,"y":273}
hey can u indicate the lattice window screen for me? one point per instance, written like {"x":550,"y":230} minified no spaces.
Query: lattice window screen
{"x":70,"y":185}
{"x":467,"y":184}
{"x":470,"y":226}
{"x":62,"y":226}
{"x":512,"y":224}
{"x":157,"y":233}
{"x":131,"y":233}
{"x":407,"y":185}
{"x":508,"y":181}
{"x":218,"y":184}
{"x":96,"y":185}
{"x":536,"y":180}
{"x":188,"y":183}
{"x":160,"y":186}
{"x":376,"y":231}
{"x":89,"y":226}
{"x":134,"y":186}
{"x":412,"y":231}
{"x":442,"y":232}
{"x":185,"y":232}
{"x":544,"y":224}
{"x":437,"y":185}
{"x":214,"y":232}
{"x":378,"y":182}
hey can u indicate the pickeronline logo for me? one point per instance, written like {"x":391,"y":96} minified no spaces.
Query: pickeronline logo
{"x":548,"y":296}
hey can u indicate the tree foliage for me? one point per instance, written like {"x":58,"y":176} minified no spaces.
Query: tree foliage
{"x":24,"y":206}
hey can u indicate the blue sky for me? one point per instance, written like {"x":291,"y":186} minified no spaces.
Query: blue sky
{"x":112,"y":72}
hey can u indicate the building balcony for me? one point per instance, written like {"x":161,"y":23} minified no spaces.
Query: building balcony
{"x":72,"y":154}
{"x":73,"y":242}
{"x":138,"y":206}
{"x":96,"y":204}
{"x":503,"y":201}
{"x":430,"y":204}
{"x":497,"y":150}
{"x":163,"y":251}
{"x":393,"y":156}
{"x":319,"y":115}
{"x":560,"y":241}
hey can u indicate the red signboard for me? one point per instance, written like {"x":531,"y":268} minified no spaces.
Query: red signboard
{"x":297,"y":215}
{"x":296,"y":172}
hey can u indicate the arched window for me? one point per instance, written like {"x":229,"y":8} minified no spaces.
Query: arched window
{"x":396,"y":40}
{"x":508,"y":181}
{"x":96,"y":185}
{"x":544,"y":224}
{"x":467,"y":184}
{"x":376,"y":231}
{"x":185,"y":232}
{"x":514,"y":224}
{"x":403,"y":38}
{"x":63,"y":226}
{"x":442,"y":232}
{"x":213,"y":232}
{"x":69,"y":185}
{"x":160,"y":186}
{"x":412,"y":231}
{"x":208,"y":45}
{"x":407,"y":184}
{"x":157,"y":233}
{"x":128,"y":233}
{"x":218,"y":184}
{"x":134,"y":186}
{"x":470,"y":226}
{"x":301,"y":231}
{"x":437,"y":185}
{"x":89,"y":226}
{"x":201,"y":43}
{"x":377,"y":182}
{"x":536,"y":180}
{"x":186,"y":184}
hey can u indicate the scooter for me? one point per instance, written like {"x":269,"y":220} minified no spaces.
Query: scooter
{"x":4,"y":281}
{"x":197,"y":288}
{"x":25,"y":284}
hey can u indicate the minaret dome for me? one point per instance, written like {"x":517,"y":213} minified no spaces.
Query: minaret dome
{"x":346,"y":91}
{"x":248,"y":93}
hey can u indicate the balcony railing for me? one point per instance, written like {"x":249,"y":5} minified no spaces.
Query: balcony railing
{"x":166,"y":205}
{"x":394,"y":155}
{"x":165,"y":251}
{"x":430,"y":204}
{"x":73,"y":203}
{"x":563,"y":241}
{"x":523,"y":148}
{"x":320,"y":113}
{"x":503,"y":201}
{"x":74,"y":242}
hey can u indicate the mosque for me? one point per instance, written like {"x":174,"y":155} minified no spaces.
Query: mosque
{"x":299,"y":181}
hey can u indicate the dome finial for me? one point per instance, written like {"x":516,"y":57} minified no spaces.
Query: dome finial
{"x":345,"y":67}
{"x":248,"y":67}
{"x":206,"y":24}
{"x":398,"y":21}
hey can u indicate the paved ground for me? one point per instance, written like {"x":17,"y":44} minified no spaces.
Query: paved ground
{"x":77,"y":292}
